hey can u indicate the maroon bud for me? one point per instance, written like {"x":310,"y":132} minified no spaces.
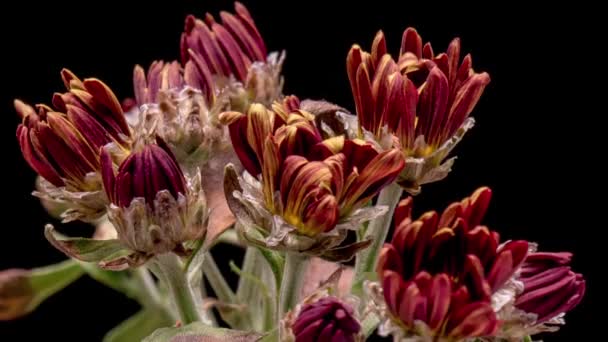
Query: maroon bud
{"x":154,"y":208}
{"x":143,"y":175}
{"x":550,"y":286}
{"x":326,"y":320}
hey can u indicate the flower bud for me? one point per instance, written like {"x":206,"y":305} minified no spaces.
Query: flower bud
{"x":326,"y":320}
{"x":550,"y":286}
{"x":16,"y":293}
{"x":154,"y":208}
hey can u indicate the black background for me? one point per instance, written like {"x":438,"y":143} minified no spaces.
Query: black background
{"x":536,"y":142}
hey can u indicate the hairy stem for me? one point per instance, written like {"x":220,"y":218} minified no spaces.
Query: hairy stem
{"x":148,"y":294}
{"x":377,"y":231}
{"x":219,"y":285}
{"x":292,"y":282}
{"x":173,"y":273}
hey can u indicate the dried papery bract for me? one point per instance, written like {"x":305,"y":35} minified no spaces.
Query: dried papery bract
{"x":61,"y":143}
{"x":420,"y":102}
{"x":302,"y":193}
{"x":180,"y":106}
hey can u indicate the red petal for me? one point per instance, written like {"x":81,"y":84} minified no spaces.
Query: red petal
{"x":432,"y":107}
{"x":439,"y":301}
{"x":403,"y":211}
{"x":411,"y":42}
{"x":378,"y":47}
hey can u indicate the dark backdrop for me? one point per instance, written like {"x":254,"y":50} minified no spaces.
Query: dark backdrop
{"x":535,"y":142}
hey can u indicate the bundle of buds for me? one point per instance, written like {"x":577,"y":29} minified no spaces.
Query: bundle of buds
{"x":210,"y":152}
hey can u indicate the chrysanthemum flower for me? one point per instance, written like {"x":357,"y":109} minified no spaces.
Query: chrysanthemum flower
{"x":153,"y":207}
{"x":420,"y":102}
{"x":303,"y":192}
{"x":234,"y":49}
{"x":439,"y":272}
{"x":62,"y":143}
{"x":180,"y":105}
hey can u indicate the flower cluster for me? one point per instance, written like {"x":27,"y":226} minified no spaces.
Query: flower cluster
{"x":210,"y":142}
{"x":223,"y":66}
{"x":446,"y":277}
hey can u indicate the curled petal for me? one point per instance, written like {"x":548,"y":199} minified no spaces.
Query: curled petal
{"x":380,"y":172}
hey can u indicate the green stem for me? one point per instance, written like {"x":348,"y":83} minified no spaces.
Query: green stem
{"x":219,"y":285}
{"x":148,"y":294}
{"x":257,"y":289}
{"x":527,"y":339}
{"x":292,"y":282}
{"x":222,"y":290}
{"x":247,"y":287}
{"x":377,"y":231}
{"x":369,"y":324}
{"x":174,"y":274}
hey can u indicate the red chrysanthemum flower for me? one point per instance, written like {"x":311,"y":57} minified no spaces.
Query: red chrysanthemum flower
{"x":62,"y":143}
{"x":439,"y":272}
{"x":314,"y":186}
{"x":421,"y":99}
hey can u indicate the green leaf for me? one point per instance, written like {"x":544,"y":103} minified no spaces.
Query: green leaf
{"x":199,"y":332}
{"x":138,"y":326}
{"x":48,"y":280}
{"x":108,"y":254}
